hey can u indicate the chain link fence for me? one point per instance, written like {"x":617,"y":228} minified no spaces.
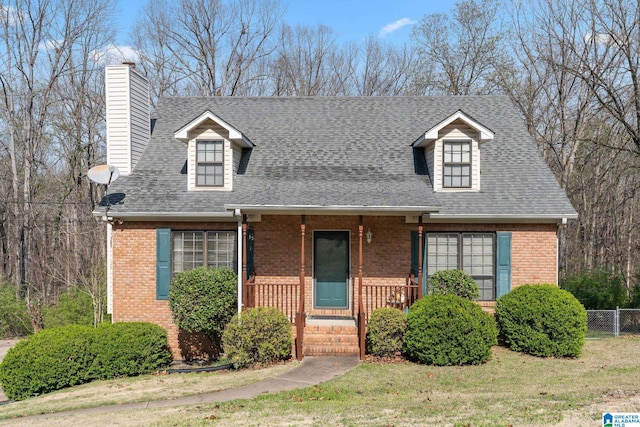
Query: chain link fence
{"x":612,"y":323}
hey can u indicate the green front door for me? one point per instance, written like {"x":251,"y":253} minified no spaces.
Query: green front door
{"x":331,"y":268}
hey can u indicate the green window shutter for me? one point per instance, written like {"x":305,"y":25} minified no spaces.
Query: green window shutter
{"x":249,"y":243}
{"x":163,"y":262}
{"x":503,"y":263}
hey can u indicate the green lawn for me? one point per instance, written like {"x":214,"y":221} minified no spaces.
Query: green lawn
{"x":511,"y":389}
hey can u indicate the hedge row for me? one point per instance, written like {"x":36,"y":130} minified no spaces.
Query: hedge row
{"x":541,"y":320}
{"x":70,"y":355}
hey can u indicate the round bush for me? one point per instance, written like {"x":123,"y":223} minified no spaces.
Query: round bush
{"x":449,"y":330}
{"x":204,"y":300}
{"x":385,"y":331}
{"x":453,"y":282}
{"x":128,"y":349}
{"x":46,"y":361}
{"x":70,"y":355}
{"x":260,"y":335}
{"x":542,"y":320}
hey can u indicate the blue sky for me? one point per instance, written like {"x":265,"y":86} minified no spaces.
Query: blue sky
{"x":352,"y":20}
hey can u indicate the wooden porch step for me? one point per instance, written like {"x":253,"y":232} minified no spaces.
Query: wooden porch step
{"x":331,"y":337}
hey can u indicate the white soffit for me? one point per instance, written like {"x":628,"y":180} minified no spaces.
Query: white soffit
{"x":485,"y":133}
{"x":234,"y":134}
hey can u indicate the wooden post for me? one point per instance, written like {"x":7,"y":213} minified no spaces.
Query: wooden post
{"x":300,"y":314}
{"x":420,"y":256}
{"x":361,"y":313}
{"x":245,"y":290}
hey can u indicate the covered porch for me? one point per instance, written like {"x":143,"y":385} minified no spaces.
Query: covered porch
{"x":331,"y":271}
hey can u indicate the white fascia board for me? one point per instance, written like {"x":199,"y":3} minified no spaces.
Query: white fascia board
{"x":234,"y":134}
{"x":162,"y":216}
{"x":436,"y":217}
{"x":334,"y":209}
{"x":485,"y":133}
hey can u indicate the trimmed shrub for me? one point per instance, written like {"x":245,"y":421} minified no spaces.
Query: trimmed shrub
{"x":260,"y":335}
{"x":73,"y":308}
{"x":70,"y":355}
{"x":14,"y":318}
{"x":385,"y":331}
{"x":204,"y":300}
{"x":542,"y":320}
{"x":598,"y":290}
{"x":453,"y":282}
{"x":128,"y":349}
{"x":46,"y":361}
{"x":449,"y":330}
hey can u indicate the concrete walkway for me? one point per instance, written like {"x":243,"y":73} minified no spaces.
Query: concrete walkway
{"x":312,"y":371}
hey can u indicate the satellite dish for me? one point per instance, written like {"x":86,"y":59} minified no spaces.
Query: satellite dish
{"x":103,"y":174}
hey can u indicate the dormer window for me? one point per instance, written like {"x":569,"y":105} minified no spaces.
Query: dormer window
{"x":457,"y":164}
{"x":214,"y":148}
{"x":210,"y":164}
{"x":452,"y":152}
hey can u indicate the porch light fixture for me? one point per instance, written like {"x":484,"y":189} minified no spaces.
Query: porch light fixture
{"x":369,"y":235}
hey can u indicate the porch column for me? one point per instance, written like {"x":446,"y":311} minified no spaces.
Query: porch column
{"x":360,"y":229}
{"x":361,"y":313}
{"x":245,"y":290}
{"x":420,"y":256}
{"x":300,"y":314}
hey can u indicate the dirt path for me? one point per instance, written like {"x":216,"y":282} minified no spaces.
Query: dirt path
{"x":5,"y":345}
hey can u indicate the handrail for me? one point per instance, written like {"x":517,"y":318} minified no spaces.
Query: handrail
{"x":385,"y":295}
{"x":283,"y":296}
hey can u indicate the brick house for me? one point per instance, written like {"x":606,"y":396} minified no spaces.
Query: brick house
{"x":327,"y":207}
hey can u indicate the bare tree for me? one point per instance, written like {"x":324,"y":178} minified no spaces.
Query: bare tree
{"x":460,"y":55}
{"x":383,"y":69}
{"x":215,"y":49}
{"x":577,"y":89}
{"x":309,"y":62}
{"x":39,"y":41}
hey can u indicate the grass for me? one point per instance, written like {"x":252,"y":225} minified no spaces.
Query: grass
{"x":511,"y":389}
{"x":138,"y":389}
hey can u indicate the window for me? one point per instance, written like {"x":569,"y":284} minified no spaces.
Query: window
{"x":457,"y":164}
{"x":473,"y":253}
{"x":193,"y":249}
{"x":210,"y":163}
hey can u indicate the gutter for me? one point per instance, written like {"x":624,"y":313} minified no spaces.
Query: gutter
{"x":549,"y":218}
{"x":336,"y":209}
{"x":186,"y":216}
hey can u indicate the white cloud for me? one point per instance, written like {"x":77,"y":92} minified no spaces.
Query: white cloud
{"x":394,"y":26}
{"x":50,"y":44}
{"x":599,"y":38}
{"x":114,"y":54}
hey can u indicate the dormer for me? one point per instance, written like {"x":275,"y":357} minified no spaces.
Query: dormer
{"x":452,"y":152}
{"x":214,"y":148}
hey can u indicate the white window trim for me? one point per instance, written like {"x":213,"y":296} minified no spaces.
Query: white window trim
{"x":455,"y":133}
{"x":192,"y":161}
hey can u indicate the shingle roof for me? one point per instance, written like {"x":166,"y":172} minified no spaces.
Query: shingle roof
{"x":343,"y":151}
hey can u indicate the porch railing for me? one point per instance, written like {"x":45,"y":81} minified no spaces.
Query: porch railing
{"x":283,"y":296}
{"x":401,"y":297}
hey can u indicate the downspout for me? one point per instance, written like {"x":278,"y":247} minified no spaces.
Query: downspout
{"x":110,"y":270}
{"x":239,"y":258}
{"x":561,"y":229}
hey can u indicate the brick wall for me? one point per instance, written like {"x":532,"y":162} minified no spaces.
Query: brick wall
{"x":386,"y":261}
{"x":134,"y":281}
